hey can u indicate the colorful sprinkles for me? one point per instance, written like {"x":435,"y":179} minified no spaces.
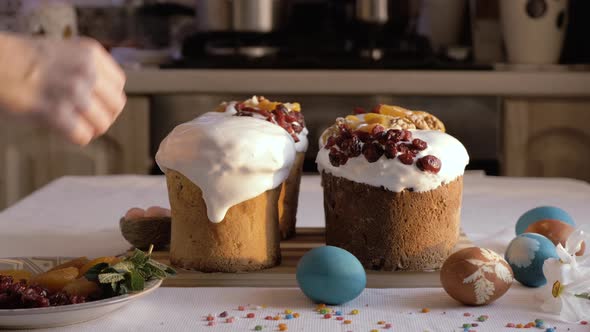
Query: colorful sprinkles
{"x":326,"y":313}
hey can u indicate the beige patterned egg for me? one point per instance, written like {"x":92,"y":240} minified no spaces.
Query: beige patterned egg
{"x":476,"y":276}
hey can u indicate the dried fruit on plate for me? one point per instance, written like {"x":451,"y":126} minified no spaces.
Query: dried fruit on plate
{"x":17,"y":274}
{"x":55,"y":280}
{"x":76,"y":262}
{"x":83,"y":287}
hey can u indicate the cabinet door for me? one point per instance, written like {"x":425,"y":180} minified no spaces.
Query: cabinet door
{"x":31,"y":157}
{"x":24,"y":161}
{"x":547,"y":137}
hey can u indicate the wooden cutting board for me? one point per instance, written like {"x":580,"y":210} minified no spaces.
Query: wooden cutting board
{"x":284,"y":275}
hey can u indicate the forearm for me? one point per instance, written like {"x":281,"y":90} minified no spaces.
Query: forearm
{"x":16,"y":66}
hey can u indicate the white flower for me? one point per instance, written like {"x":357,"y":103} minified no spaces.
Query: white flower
{"x":522,"y":251}
{"x":567,"y":292}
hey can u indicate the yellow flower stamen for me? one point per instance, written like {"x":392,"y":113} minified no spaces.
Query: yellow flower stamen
{"x":557,"y":289}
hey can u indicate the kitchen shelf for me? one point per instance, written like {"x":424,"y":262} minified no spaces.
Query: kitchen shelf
{"x":351,"y":82}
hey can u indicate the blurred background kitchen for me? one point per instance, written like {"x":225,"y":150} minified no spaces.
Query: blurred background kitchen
{"x":509,"y":78}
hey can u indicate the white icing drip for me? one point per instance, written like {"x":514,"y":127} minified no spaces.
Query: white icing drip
{"x":230,"y":159}
{"x":395,"y":176}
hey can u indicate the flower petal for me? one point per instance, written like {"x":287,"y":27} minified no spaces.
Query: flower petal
{"x":573,"y":243}
{"x":552,"y":305}
{"x":552,"y":270}
{"x":574,"y":309}
{"x":563,"y":254}
{"x":581,"y":285}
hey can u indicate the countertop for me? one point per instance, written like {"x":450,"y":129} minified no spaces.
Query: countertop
{"x":508,"y":83}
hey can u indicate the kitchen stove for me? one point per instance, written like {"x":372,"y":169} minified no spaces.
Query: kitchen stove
{"x":318,"y":35}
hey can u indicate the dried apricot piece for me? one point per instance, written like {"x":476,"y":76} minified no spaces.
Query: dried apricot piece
{"x":76,"y":262}
{"x":381,"y":119}
{"x":55,"y":280}
{"x":395,"y":111}
{"x":82,"y":287}
{"x":17,"y":274}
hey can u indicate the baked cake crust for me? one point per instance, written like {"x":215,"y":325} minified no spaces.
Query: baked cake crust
{"x":289,"y":198}
{"x":247,"y":239}
{"x":392,"y":231}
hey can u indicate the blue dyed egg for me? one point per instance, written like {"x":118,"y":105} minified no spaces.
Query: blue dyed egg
{"x":331,"y":275}
{"x":542,"y":213}
{"x":526,"y":254}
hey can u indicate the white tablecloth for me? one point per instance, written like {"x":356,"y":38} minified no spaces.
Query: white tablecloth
{"x":76,"y":216}
{"x":185,"y":309}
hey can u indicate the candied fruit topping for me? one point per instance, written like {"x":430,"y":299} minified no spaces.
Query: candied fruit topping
{"x":429,"y":164}
{"x":286,"y":115}
{"x":392,"y":110}
{"x":406,"y":158}
{"x":372,"y":151}
{"x":344,"y":141}
{"x":419,"y":119}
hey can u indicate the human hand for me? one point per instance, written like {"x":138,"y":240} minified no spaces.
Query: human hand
{"x":73,"y":86}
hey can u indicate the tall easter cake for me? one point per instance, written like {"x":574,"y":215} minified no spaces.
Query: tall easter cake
{"x":392,"y":182}
{"x":289,"y":117}
{"x":225,"y":176}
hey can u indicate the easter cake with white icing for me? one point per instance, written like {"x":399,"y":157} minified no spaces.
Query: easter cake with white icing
{"x":225,"y":174}
{"x":289,"y":117}
{"x":392,"y":182}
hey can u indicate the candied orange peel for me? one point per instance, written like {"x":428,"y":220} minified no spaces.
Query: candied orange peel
{"x":389,"y":117}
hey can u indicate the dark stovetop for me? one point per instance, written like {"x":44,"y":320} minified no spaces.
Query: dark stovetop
{"x":320,"y":52}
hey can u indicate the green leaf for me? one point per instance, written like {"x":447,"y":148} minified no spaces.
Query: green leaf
{"x":163,"y":267}
{"x":144,"y":272}
{"x":154,"y":272}
{"x":134,"y":281}
{"x":123,"y":266}
{"x":93,"y":272}
{"x":106,"y":278}
{"x":138,"y":257}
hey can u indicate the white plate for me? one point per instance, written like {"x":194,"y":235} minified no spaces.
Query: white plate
{"x":60,"y":315}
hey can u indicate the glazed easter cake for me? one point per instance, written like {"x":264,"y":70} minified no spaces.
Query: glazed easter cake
{"x":289,"y":117}
{"x":392,"y":182}
{"x":224,"y":191}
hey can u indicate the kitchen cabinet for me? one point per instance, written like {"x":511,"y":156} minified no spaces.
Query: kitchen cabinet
{"x":547,"y":137}
{"x":30,"y":157}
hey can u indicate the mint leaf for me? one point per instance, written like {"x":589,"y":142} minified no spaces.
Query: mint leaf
{"x":138,"y":257}
{"x":163,"y":267}
{"x":134,"y":281}
{"x":93,"y":272}
{"x":123,"y":266}
{"x":153,"y":272}
{"x":106,"y":278}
